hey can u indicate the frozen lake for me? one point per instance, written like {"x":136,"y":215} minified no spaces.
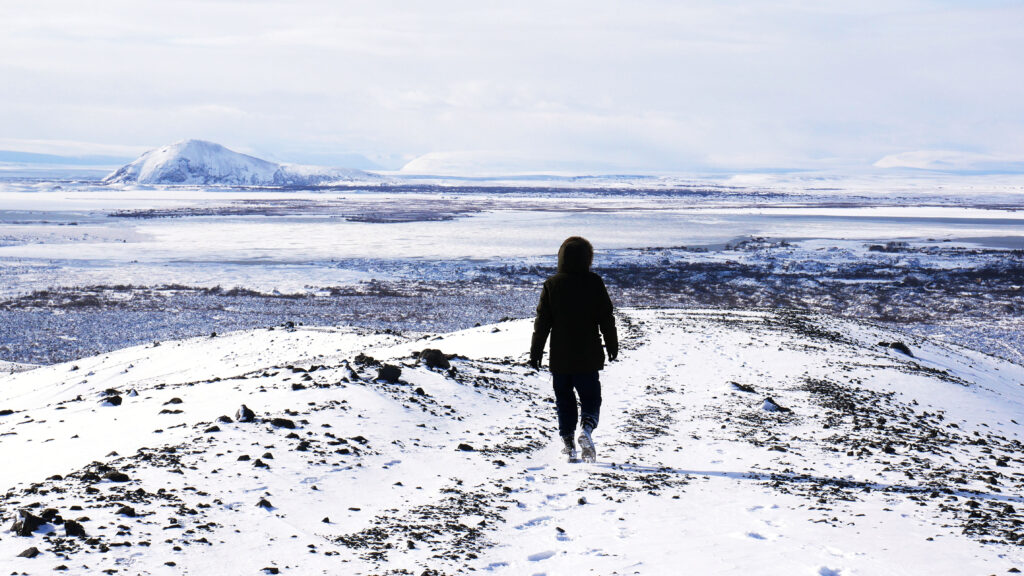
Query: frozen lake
{"x":295,"y":241}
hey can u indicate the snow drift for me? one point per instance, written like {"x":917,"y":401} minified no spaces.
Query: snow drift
{"x":871,"y":460}
{"x":200,"y":162}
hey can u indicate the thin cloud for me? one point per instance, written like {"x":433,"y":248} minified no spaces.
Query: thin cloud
{"x":648,"y":85}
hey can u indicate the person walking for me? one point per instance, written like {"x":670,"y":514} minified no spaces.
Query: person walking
{"x":574,"y":306}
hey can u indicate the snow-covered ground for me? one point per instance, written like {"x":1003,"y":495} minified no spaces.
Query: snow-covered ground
{"x":884,"y":463}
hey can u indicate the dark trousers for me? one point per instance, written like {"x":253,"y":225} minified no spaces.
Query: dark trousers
{"x":566,"y":387}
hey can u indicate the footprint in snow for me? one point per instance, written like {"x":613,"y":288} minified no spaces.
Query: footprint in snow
{"x":540,"y":556}
{"x":534,"y":522}
{"x":826,"y":571}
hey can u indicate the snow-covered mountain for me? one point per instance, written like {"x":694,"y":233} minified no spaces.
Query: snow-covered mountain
{"x":200,"y":162}
{"x":730,"y":443}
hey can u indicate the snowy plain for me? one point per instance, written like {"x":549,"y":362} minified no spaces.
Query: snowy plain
{"x":883,"y":463}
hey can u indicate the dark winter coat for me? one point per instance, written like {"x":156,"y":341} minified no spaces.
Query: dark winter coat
{"x":574,"y":305}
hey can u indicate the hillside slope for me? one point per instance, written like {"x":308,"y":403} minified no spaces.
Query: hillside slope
{"x":883,"y":464}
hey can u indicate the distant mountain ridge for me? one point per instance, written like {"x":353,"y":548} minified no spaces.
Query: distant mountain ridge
{"x":208,"y":163}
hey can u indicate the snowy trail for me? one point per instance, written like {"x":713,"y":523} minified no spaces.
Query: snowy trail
{"x":877,"y":463}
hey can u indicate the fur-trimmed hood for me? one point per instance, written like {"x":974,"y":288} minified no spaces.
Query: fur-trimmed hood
{"x":575,"y":255}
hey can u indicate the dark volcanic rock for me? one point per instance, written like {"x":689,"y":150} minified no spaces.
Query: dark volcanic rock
{"x":29,"y":553}
{"x":115,"y":476}
{"x":25,"y":523}
{"x":264,"y":503}
{"x":244,"y":414}
{"x":72,"y":528}
{"x":389,"y":373}
{"x":898,"y":346}
{"x":225,"y":419}
{"x":114,"y":400}
{"x":742,"y":387}
{"x":126,"y":511}
{"x":434,"y":358}
{"x":282,"y":423}
{"x":771,"y":405}
{"x":466,"y":448}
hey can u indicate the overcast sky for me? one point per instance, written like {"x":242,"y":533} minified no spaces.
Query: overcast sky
{"x":590,"y":85}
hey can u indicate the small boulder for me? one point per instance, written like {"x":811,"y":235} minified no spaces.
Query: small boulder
{"x":434,"y":358}
{"x":897,"y":346}
{"x":244,"y":414}
{"x":389,"y":373}
{"x":282,"y":423}
{"x":29,"y":553}
{"x":742,"y":387}
{"x":126,"y":511}
{"x":25,"y":523}
{"x":114,"y":400}
{"x":74,"y":529}
{"x":115,"y":476}
{"x":770,"y":405}
{"x":466,"y":448}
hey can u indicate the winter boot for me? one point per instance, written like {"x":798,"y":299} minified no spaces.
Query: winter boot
{"x":588,"y":452}
{"x":569,"y":448}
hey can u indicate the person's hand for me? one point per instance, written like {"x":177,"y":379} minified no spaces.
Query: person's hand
{"x":613,"y":354}
{"x":534,"y":363}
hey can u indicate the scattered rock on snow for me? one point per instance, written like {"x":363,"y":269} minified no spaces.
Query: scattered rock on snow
{"x":25,"y":523}
{"x":742,"y":387}
{"x":389,"y":373}
{"x":113,"y":400}
{"x":282,"y":423}
{"x":466,"y":448}
{"x":434,"y":358}
{"x":74,"y":529}
{"x":29,"y":553}
{"x":771,"y":405}
{"x":126,"y":511}
{"x":115,"y":476}
{"x":244,"y":414}
{"x":897,"y":346}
